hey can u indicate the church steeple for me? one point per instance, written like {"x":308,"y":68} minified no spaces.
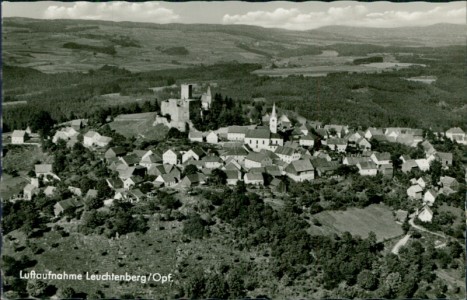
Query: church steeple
{"x":273,"y":120}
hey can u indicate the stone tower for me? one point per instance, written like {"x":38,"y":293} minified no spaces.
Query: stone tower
{"x":273,"y":120}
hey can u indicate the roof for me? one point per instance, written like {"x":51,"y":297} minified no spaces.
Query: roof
{"x":131,"y":159}
{"x":232,"y":174}
{"x":43,"y":168}
{"x":68,"y":203}
{"x":195,"y":134}
{"x":301,"y":165}
{"x":281,"y":150}
{"x":91,"y":193}
{"x":257,"y":157}
{"x":195,"y":178}
{"x":415,"y":188}
{"x":367,"y":165}
{"x":18,"y":133}
{"x":104,"y":139}
{"x":237,"y":129}
{"x":423,"y":164}
{"x":29,"y":187}
{"x":455,"y":130}
{"x":276,"y":182}
{"x":432,"y":192}
{"x":91,"y":134}
{"x":212,"y":158}
{"x":355,"y":160}
{"x":273,"y":170}
{"x":254,"y":176}
{"x":49,"y":190}
{"x":447,"y":181}
{"x":382,"y":156}
{"x":426,"y":209}
{"x":258,"y":134}
{"x":307,"y":137}
{"x":444,"y":155}
{"x":237,"y":151}
{"x":335,"y":141}
{"x":137,"y":193}
{"x":117,"y":150}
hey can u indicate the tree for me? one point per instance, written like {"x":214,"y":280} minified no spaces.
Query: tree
{"x":36,"y":288}
{"x":42,"y":123}
{"x":190,"y":169}
{"x":194,"y":226}
{"x":67,"y":293}
{"x":216,"y":287}
{"x":367,"y":280}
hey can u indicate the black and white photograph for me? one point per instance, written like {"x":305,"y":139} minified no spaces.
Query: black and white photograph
{"x":233,"y":150}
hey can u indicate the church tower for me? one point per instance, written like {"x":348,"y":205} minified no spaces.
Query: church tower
{"x":273,"y":120}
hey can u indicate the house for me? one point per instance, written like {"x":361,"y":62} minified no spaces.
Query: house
{"x":91,"y":194}
{"x":233,"y":176}
{"x":273,"y":170}
{"x":354,"y":160}
{"x":415,"y":192}
{"x":113,"y":152}
{"x":372,"y":131}
{"x":92,"y":138}
{"x":18,"y":137}
{"x":409,"y":166}
{"x":300,"y":170}
{"x":114,"y":183}
{"x":387,"y":170}
{"x":425,"y":214}
{"x":423,"y":164}
{"x":63,"y":205}
{"x":212,"y":138}
{"x":404,"y":158}
{"x":256,"y":160}
{"x":456,"y":134}
{"x":130,"y":159}
{"x":254,"y":178}
{"x":381,"y":158}
{"x":195,"y":136}
{"x":212,"y":162}
{"x":151,"y":160}
{"x":278,"y":186}
{"x":307,"y":140}
{"x":136,"y":195}
{"x":428,"y":148}
{"x":132,"y":181}
{"x":287,"y":154}
{"x":193,"y":180}
{"x":166,"y":180}
{"x":445,"y":158}
{"x":449,"y":185}
{"x":171,"y":157}
{"x":67,"y":134}
{"x":430,"y":196}
{"x":29,"y":191}
{"x":231,"y":164}
{"x":363,"y":143}
{"x":339,"y":130}
{"x":195,"y":153}
{"x":236,"y":133}
{"x":42,"y":169}
{"x":237,"y":153}
{"x":423,"y":181}
{"x":49,"y":191}
{"x":367,"y":168}
{"x":323,"y":155}
{"x":337,"y":144}
{"x":284,"y":121}
{"x":75,"y":191}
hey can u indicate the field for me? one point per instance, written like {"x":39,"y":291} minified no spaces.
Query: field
{"x":11,"y":185}
{"x":139,"y":125}
{"x":23,"y":158}
{"x":376,"y":218}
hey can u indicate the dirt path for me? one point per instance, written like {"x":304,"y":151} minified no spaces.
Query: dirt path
{"x":411,"y":222}
{"x":400,"y":244}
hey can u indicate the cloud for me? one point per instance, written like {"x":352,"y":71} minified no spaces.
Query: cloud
{"x":113,"y":11}
{"x":354,"y":15}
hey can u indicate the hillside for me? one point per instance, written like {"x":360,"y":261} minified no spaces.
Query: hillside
{"x":79,"y":45}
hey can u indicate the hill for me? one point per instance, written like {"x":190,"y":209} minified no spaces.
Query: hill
{"x":79,"y":45}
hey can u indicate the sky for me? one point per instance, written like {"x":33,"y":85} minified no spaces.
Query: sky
{"x":276,"y":14}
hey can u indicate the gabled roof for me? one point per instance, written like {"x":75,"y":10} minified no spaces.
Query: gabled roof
{"x":236,"y":151}
{"x":444,"y":155}
{"x":91,"y":134}
{"x":91,"y":193}
{"x":336,"y":141}
{"x":131,"y":159}
{"x":29,"y":187}
{"x":195,"y":134}
{"x":18,"y":133}
{"x":281,"y":150}
{"x":233,"y":174}
{"x":415,"y":189}
{"x":258,"y":134}
{"x":118,"y":151}
{"x":237,"y":129}
{"x":447,"y":181}
{"x":382,"y":156}
{"x":307,"y":137}
{"x":432,"y":192}
{"x":49,"y":190}
{"x":297,"y":166}
{"x":68,"y":203}
{"x":257,"y":157}
{"x":254,"y":176}
{"x":455,"y":130}
{"x":367,"y":165}
{"x":273,"y":170}
{"x":211,"y":158}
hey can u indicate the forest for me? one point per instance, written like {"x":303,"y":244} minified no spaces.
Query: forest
{"x":384,"y":99}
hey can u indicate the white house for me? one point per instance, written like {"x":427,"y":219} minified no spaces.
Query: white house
{"x":258,"y":139}
{"x":254,"y":178}
{"x":212,"y":138}
{"x":196,"y":154}
{"x":456,"y":134}
{"x":92,"y":138}
{"x":337,"y":144}
{"x":287,"y":154}
{"x":381,"y":158}
{"x":233,"y":176}
{"x":415,"y":192}
{"x":18,"y":137}
{"x":430,"y":197}
{"x":236,"y":133}
{"x":300,"y":170}
{"x":307,"y":141}
{"x":423,"y":164}
{"x":367,"y":168}
{"x":425,"y":214}
{"x":29,"y":191}
{"x":257,"y":160}
{"x":170,"y":157}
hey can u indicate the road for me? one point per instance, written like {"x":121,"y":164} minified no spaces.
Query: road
{"x":400,"y":243}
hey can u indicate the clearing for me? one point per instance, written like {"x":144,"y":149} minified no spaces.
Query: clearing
{"x":376,"y":217}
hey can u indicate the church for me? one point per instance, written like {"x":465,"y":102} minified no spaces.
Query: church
{"x":265,"y":138}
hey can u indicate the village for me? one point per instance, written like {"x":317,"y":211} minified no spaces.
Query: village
{"x":261,"y":156}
